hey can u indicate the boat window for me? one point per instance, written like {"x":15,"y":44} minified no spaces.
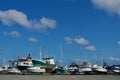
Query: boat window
{"x":48,"y":62}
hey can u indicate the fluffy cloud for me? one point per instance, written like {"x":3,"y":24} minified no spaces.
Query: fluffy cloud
{"x":68,"y":40}
{"x":43,"y":24}
{"x":32,"y":39}
{"x":12,"y":17}
{"x":81,"y":41}
{"x":90,"y":48}
{"x":111,"y":6}
{"x":14,"y":34}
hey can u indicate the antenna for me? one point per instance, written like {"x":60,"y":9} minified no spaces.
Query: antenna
{"x":61,"y":53}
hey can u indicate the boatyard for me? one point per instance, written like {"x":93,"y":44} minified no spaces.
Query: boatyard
{"x":59,"y":40}
{"x":29,"y":66}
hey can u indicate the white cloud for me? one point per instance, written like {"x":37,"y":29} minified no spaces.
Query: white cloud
{"x":32,"y":39}
{"x":14,"y":34}
{"x":114,"y":59}
{"x":43,"y":24}
{"x":81,"y":41}
{"x":12,"y":17}
{"x":111,"y":58}
{"x":118,"y":42}
{"x":90,"y":48}
{"x":111,"y":6}
{"x":48,"y":22}
{"x":68,"y":40}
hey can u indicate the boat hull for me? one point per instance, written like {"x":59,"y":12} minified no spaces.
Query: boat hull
{"x":43,"y":65}
{"x":100,"y":71}
{"x":36,"y":70}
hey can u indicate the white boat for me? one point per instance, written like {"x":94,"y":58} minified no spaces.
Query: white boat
{"x":86,"y":68}
{"x":13,"y":70}
{"x":115,"y":69}
{"x":73,"y":68}
{"x":35,"y":69}
{"x":24,"y":63}
{"x":1,"y":69}
{"x":4,"y":68}
{"x":99,"y":69}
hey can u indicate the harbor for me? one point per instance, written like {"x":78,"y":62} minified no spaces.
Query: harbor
{"x":48,"y":66}
{"x":59,"y":40}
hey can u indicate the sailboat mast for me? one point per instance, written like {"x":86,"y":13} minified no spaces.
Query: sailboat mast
{"x":61,"y":54}
{"x":40,"y":54}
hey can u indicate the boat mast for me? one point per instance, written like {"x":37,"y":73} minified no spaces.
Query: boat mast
{"x":40,"y":54}
{"x":61,"y":54}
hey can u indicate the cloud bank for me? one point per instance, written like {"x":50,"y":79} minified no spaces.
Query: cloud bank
{"x":11,"y":17}
{"x":111,"y":6}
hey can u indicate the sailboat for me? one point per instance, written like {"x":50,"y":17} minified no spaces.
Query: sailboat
{"x":97,"y":69}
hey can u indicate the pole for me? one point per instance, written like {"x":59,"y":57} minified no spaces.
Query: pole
{"x":61,"y":54}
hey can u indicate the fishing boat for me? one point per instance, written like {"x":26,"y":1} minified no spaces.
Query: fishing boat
{"x":24,"y":63}
{"x":45,"y":63}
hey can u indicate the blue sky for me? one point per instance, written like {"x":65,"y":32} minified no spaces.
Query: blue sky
{"x":84,"y":28}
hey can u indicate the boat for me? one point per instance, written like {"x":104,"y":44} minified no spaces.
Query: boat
{"x":13,"y":70}
{"x":24,"y":63}
{"x":74,"y":68}
{"x":60,"y":70}
{"x":45,"y":63}
{"x":3,"y":69}
{"x":99,"y":69}
{"x":86,"y":68}
{"x":114,"y":69}
{"x":36,"y":70}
